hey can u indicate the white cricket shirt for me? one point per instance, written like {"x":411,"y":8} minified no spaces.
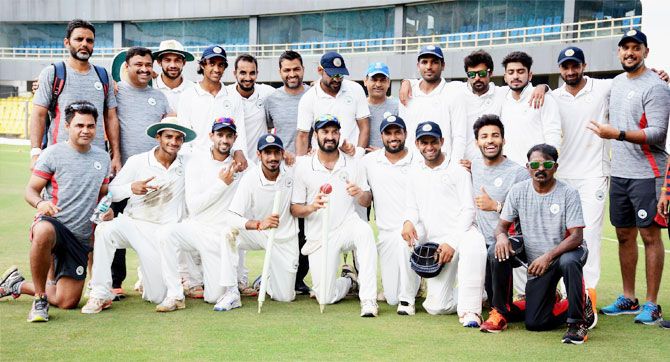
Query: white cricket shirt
{"x":172,"y":94}
{"x":255,"y":120}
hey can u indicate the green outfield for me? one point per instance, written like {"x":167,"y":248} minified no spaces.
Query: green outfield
{"x":131,"y":330}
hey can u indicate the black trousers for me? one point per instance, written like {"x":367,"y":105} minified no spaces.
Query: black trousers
{"x":119,"y":261}
{"x":303,"y":261}
{"x":542,"y":312}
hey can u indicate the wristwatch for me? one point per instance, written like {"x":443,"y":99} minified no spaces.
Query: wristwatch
{"x":622,"y":136}
{"x":35,"y":151}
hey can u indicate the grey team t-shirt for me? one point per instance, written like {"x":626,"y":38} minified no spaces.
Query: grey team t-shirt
{"x":281,"y":110}
{"x":78,"y":87}
{"x":137,"y":110}
{"x":74,"y":181}
{"x":377,"y":116}
{"x":497,"y":181}
{"x":641,"y":102}
{"x":544,"y":219}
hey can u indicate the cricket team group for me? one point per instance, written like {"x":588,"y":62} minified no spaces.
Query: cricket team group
{"x":462,"y":180}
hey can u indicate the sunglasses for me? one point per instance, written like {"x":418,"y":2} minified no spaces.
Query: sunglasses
{"x":480,"y":73}
{"x":337,"y":76}
{"x":547,"y":165}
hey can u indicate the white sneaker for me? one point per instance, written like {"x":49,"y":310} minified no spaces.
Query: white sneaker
{"x":369,"y":308}
{"x":471,"y":320}
{"x":171,"y":304}
{"x":96,"y":305}
{"x":404,"y":308}
{"x":229,"y":300}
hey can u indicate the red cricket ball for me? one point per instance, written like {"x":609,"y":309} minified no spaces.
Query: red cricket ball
{"x":326,"y":188}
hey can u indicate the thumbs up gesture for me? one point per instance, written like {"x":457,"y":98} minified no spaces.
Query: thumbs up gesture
{"x":484,"y":202}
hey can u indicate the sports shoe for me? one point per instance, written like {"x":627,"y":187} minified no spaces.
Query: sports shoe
{"x":40,"y":310}
{"x":197,"y":292}
{"x":348,"y":272}
{"x":96,"y":305}
{"x":594,"y":298}
{"x":622,"y":305}
{"x":369,"y":308}
{"x":301,"y":288}
{"x":11,"y":281}
{"x":257,"y":283}
{"x":651,"y":314}
{"x":228,"y":301}
{"x":119,"y":294}
{"x":664,"y":324}
{"x":170,"y":304}
{"x":496,"y":323}
{"x":470,"y":320}
{"x":404,"y":308}
{"x":590,"y":315}
{"x":577,"y":333}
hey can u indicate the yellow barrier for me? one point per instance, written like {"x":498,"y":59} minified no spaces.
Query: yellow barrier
{"x":14,"y":116}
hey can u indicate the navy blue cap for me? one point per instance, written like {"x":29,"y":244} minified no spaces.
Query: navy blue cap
{"x":391,"y":120}
{"x":634,"y":35}
{"x":224,"y":122}
{"x":428,"y":129}
{"x":431,"y":50}
{"x":571,"y":53}
{"x":326,"y":120}
{"x":378,"y":68}
{"x":213,"y":51}
{"x":269,"y":140}
{"x":333,"y":63}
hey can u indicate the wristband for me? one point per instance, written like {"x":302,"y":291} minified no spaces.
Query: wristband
{"x":35,"y":151}
{"x":622,"y":136}
{"x":498,"y":207}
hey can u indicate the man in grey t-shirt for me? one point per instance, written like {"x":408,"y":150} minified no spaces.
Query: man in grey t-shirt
{"x":67,"y":180}
{"x":281,"y":109}
{"x":377,"y":82}
{"x":639,"y":108}
{"x":547,"y":210}
{"x":139,"y":105}
{"x":493,"y":175}
{"x":82,"y":83}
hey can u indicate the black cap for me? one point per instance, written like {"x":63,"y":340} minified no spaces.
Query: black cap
{"x":269,"y":140}
{"x":634,"y":35}
{"x":391,"y":120}
{"x":224,"y":122}
{"x":428,"y":129}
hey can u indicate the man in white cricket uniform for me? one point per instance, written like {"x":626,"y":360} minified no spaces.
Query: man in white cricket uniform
{"x":386,"y":171}
{"x":433,"y":100}
{"x":154,"y":183}
{"x":526,"y":126}
{"x":172,"y":58}
{"x":439,"y":196}
{"x":252,"y":96}
{"x":330,"y":168}
{"x":342,"y":98}
{"x":252,"y":216}
{"x":211,"y":182}
{"x":584,"y":157}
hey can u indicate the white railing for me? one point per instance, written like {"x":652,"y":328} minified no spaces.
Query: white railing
{"x":567,"y":32}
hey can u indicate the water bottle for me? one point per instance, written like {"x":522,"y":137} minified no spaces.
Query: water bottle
{"x":102,"y":208}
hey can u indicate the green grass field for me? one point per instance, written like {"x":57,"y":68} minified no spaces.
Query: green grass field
{"x":286,"y":331}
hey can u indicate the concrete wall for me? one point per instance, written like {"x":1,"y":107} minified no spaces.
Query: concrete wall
{"x":130,"y":10}
{"x":401,"y":65}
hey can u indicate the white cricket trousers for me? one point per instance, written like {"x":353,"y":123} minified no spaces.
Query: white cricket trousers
{"x":593,"y":193}
{"x":354,"y":234}
{"x":283,"y":262}
{"x":399,"y":281}
{"x":124,"y":232}
{"x":190,"y":269}
{"x":192,"y":237}
{"x":469,"y":265}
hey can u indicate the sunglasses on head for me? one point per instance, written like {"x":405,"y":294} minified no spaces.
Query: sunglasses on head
{"x":81,"y":107}
{"x":226,"y":120}
{"x":547,"y":165}
{"x":480,"y":73}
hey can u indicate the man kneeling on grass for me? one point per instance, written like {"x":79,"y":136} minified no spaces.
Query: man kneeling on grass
{"x":547,"y":210}
{"x":74,"y":174}
{"x":154,"y":183}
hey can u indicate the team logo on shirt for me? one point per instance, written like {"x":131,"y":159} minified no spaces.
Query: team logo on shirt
{"x":97,"y":165}
{"x":259,"y":104}
{"x":488,"y":102}
{"x":227,"y":104}
{"x":588,"y":99}
{"x":348,"y":100}
{"x":79,"y":270}
{"x":288,"y":183}
{"x":344,"y":176}
{"x":151,"y":101}
{"x":600,"y":195}
{"x":630,"y":94}
{"x":642,"y":214}
{"x":97,"y":85}
{"x":554,"y":208}
{"x":179,"y":171}
{"x":498,"y":182}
